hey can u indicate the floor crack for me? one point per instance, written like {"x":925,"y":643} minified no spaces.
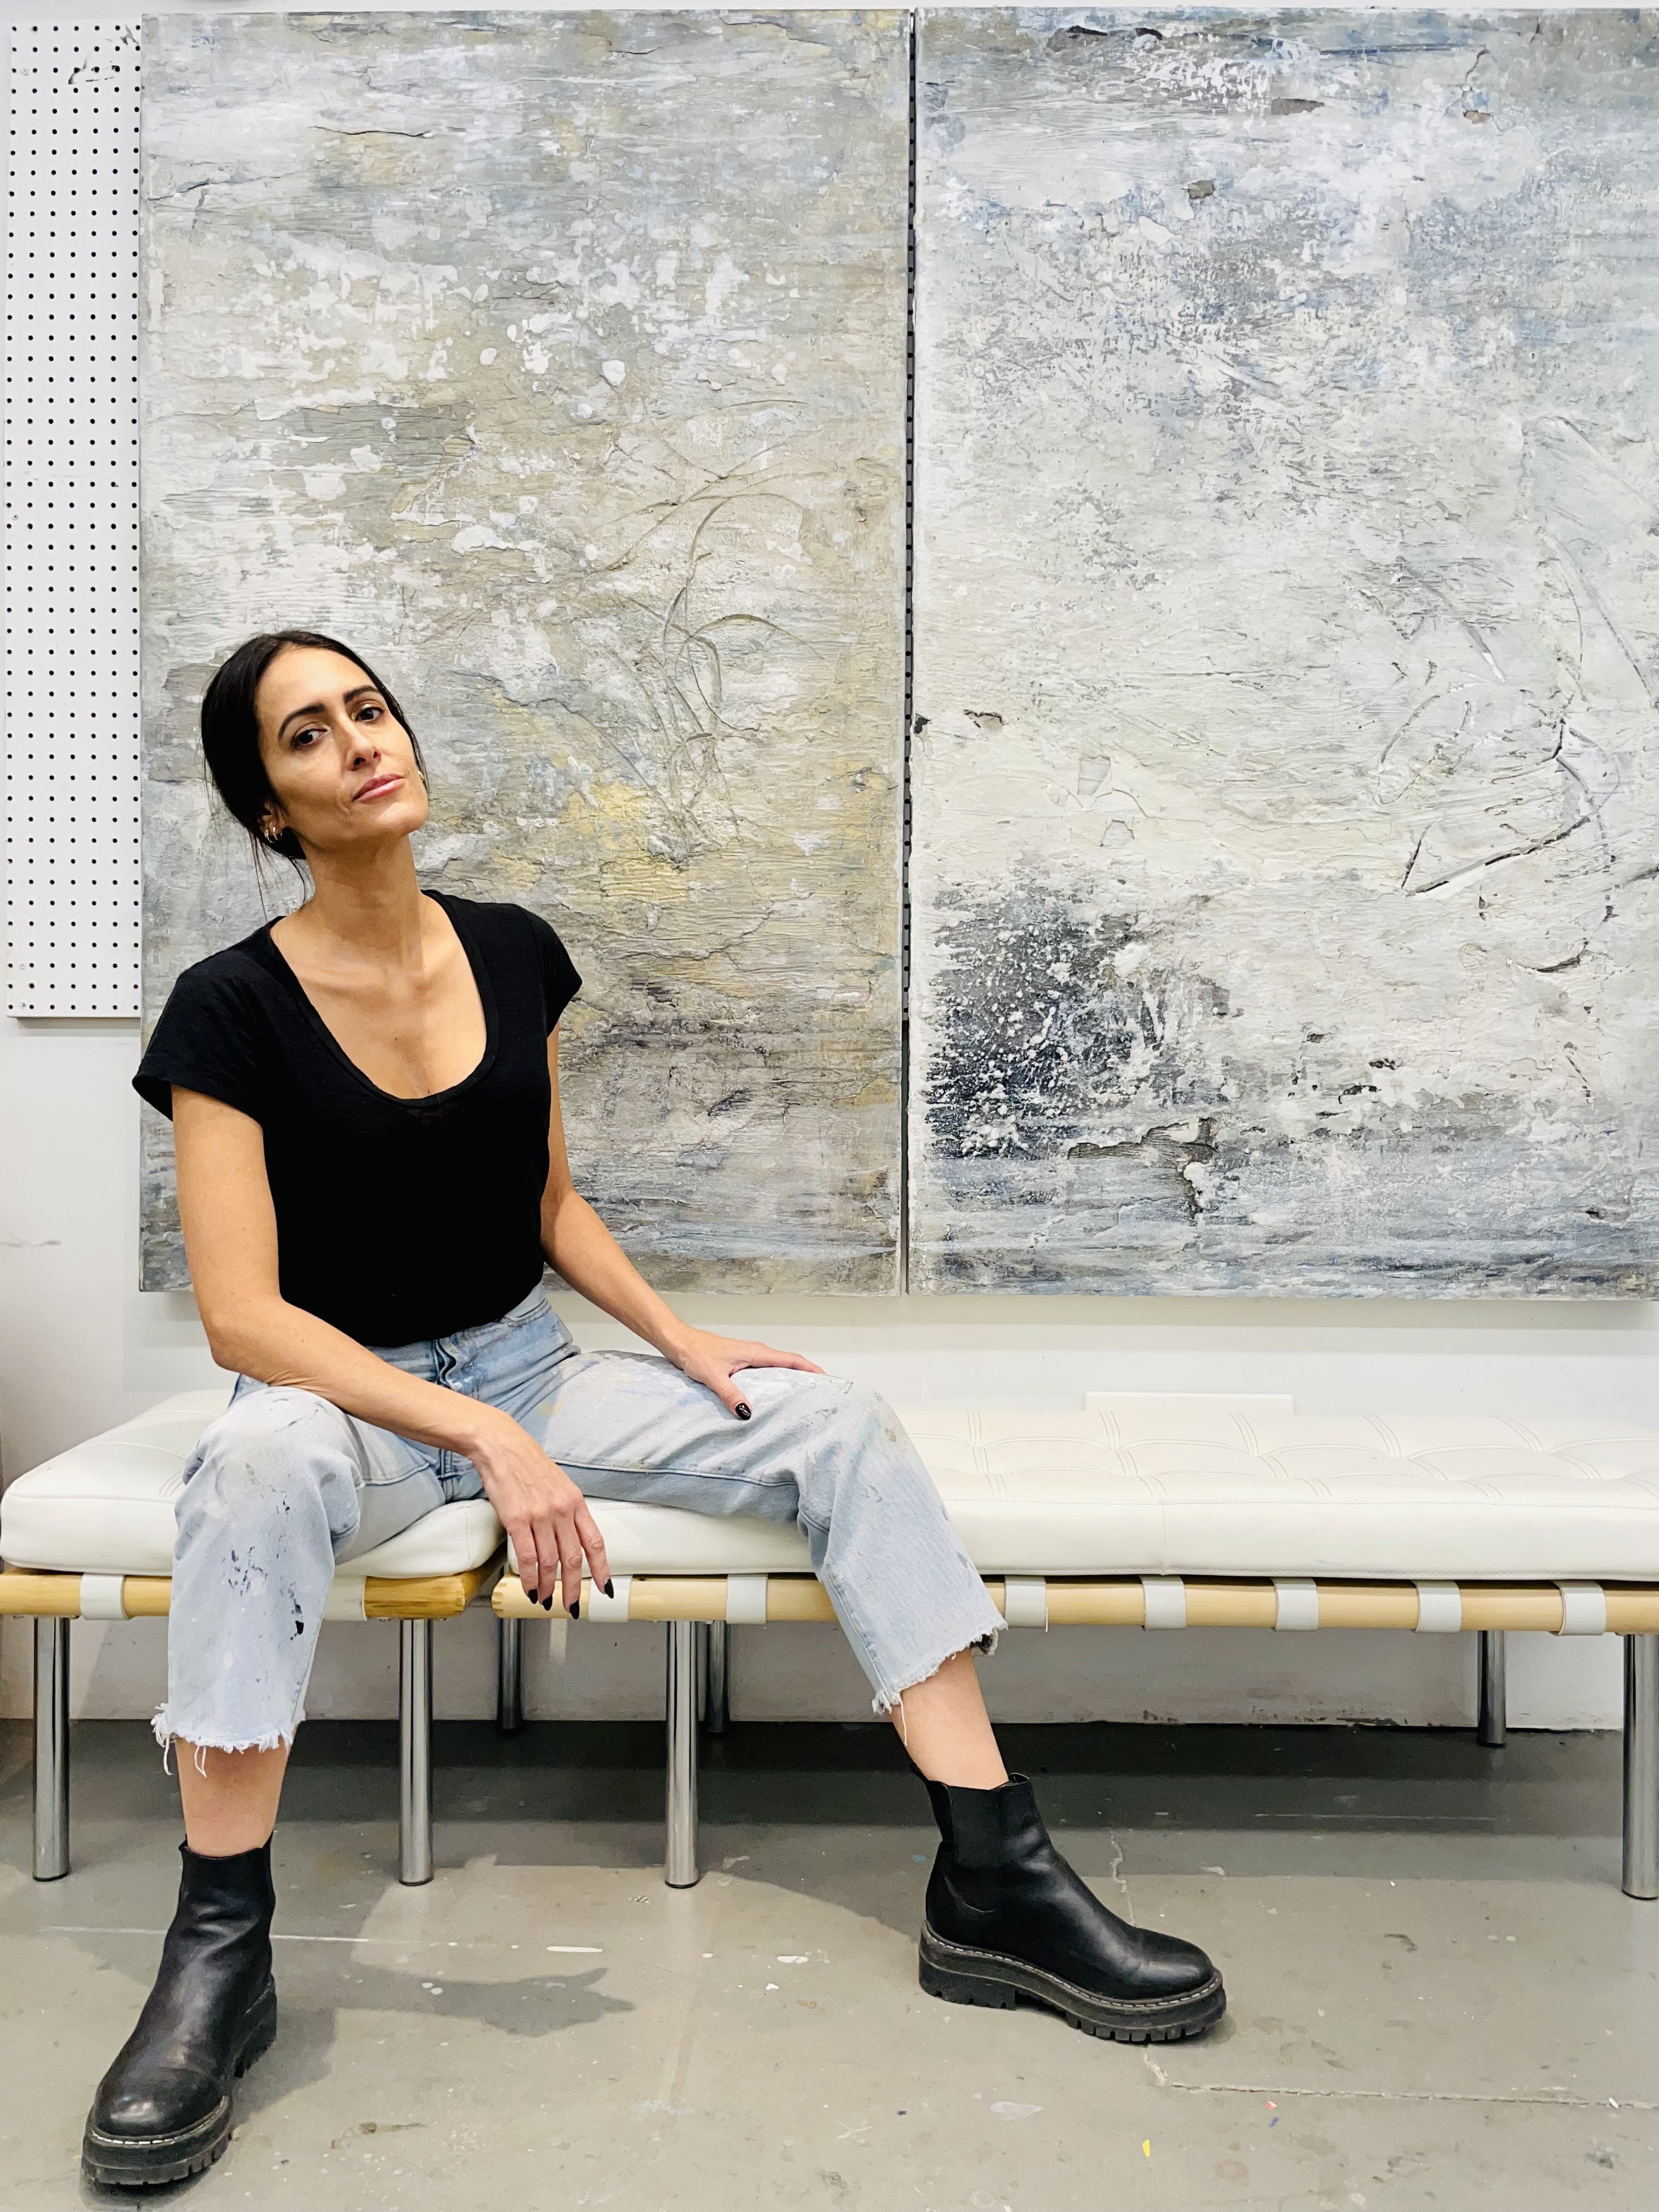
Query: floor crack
{"x":1403,"y":2096}
{"x":1114,"y":1874}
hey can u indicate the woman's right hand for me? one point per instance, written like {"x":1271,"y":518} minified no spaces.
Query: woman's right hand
{"x":543,"y":1513}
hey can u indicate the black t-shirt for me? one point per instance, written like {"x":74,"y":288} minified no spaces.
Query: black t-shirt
{"x":397,"y":1218}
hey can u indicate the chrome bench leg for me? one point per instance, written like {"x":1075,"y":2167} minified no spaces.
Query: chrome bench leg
{"x":415,"y":1751}
{"x":1642,"y":1766}
{"x":509,"y":1676}
{"x":717,"y":1697}
{"x":1493,"y":1725}
{"x":52,"y":1755}
{"x":680,"y":1706}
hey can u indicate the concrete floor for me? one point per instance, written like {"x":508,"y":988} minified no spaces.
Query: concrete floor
{"x":1440,"y":1998}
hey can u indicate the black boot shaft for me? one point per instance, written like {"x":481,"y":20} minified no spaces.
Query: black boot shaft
{"x":992,"y":1829}
{"x":994,"y":1847}
{"x":222,"y":1923}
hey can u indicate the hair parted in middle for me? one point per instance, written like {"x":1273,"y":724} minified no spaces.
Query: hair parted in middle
{"x":230,"y":731}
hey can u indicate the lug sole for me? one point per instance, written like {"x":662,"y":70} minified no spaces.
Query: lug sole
{"x":963,"y":1976}
{"x":149,"y":2161}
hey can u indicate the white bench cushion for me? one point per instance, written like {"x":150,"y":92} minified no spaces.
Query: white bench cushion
{"x":105,"y":1507}
{"x":1126,"y":1485}
{"x":1149,"y":1486}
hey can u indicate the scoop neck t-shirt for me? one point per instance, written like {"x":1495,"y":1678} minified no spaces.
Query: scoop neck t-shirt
{"x":398,"y":1220}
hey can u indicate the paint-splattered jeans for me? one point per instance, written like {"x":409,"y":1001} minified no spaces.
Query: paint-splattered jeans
{"x":282,"y":1485}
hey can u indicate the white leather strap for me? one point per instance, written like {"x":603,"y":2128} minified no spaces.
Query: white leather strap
{"x":615,"y":1607}
{"x":1583,"y":1609}
{"x":344,"y":1600}
{"x":1025,"y":1602}
{"x":1166,"y":1601}
{"x":1297,"y":1604}
{"x":745,"y":1601}
{"x":101,"y":1598}
{"x":1439,"y":1610}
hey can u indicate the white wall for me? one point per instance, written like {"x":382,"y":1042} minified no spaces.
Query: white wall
{"x":81,"y":1346}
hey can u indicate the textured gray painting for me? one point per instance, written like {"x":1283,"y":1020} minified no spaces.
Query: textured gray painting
{"x":1287,"y":605}
{"x":558,"y":363}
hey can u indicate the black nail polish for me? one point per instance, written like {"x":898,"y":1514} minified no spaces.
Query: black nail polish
{"x":547,"y":1605}
{"x":576,"y":1610}
{"x":610,"y":1588}
{"x":741,"y":1411}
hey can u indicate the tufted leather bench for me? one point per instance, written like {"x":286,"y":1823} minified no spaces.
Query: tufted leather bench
{"x":1146,"y":1511}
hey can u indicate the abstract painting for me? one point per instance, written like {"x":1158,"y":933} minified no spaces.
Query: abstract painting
{"x":557,"y":362}
{"x":1286,"y":864}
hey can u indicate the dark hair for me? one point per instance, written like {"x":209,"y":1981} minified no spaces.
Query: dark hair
{"x":230,"y":731}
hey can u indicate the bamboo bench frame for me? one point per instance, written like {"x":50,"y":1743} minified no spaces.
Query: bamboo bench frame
{"x":47,"y":1597}
{"x":1631,"y":1609}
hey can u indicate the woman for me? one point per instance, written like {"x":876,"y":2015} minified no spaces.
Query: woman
{"x":372,"y":1174}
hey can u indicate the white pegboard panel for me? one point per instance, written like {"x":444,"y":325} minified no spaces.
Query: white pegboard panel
{"x":71,"y":494}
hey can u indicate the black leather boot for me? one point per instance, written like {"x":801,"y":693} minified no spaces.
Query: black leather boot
{"x":163,"y":2109}
{"x":1006,"y":1918}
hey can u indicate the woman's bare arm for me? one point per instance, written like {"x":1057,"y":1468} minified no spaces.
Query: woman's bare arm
{"x":591,"y":1260}
{"x":230,"y":1240}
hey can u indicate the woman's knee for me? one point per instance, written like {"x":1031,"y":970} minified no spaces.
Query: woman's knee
{"x":266,"y":1451}
{"x":865,"y":1436}
{"x":868,"y":1414}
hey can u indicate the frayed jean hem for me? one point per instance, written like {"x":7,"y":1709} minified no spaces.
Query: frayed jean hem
{"x":167,"y":1734}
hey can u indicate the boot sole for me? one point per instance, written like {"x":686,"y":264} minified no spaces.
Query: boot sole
{"x":963,"y":1976}
{"x":147,"y":2161}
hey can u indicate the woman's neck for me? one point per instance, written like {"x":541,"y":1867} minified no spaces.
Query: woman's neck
{"x":366,"y":907}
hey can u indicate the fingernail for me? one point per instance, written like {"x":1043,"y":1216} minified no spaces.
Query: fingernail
{"x":741,"y":1411}
{"x":610,"y":1588}
{"x":547,"y":1605}
{"x":576,"y":1610}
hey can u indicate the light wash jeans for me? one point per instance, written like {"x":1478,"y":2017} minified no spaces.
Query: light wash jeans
{"x":282,"y":1485}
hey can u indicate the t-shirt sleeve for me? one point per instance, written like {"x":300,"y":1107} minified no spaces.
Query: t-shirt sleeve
{"x":560,"y":981}
{"x":209,"y":1038}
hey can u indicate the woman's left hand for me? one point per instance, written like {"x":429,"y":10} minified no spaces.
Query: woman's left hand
{"x":714,"y":1360}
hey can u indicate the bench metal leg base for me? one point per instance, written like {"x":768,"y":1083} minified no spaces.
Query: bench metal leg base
{"x":1492,"y":1727}
{"x":717,"y":1679}
{"x":509,"y":1676}
{"x":51,"y":1761}
{"x":415,"y":1751}
{"x":680,"y":1707}
{"x":1642,"y":1766}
